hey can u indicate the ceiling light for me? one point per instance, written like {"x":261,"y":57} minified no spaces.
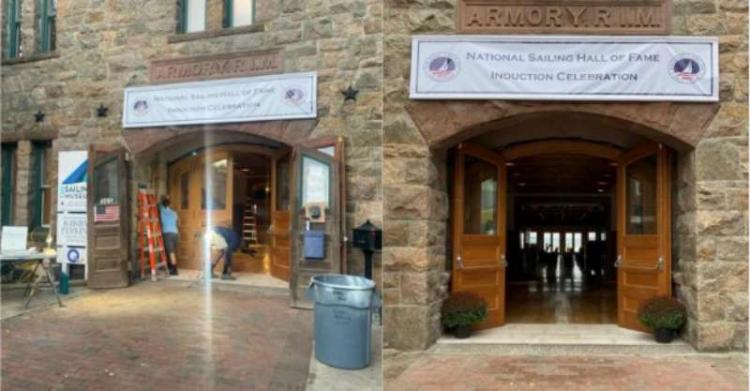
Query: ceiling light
{"x":600,"y":190}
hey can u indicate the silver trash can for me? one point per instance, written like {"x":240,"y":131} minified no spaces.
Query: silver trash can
{"x":343,"y":319}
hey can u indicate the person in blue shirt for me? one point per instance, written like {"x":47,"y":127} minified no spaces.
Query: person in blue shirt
{"x":227,"y":241}
{"x":169,"y":219}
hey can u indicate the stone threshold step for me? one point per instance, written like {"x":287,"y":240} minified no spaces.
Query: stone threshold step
{"x":672,"y":349}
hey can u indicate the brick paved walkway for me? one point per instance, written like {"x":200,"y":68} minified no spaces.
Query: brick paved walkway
{"x":160,"y":336}
{"x":468,"y":372}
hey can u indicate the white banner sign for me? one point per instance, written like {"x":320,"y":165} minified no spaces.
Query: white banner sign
{"x":565,"y":68}
{"x":71,"y":206}
{"x":71,"y":181}
{"x":260,"y":98}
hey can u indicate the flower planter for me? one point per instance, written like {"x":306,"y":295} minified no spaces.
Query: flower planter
{"x":462,"y":332}
{"x":664,"y":335}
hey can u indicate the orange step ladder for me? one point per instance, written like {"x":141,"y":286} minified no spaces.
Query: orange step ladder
{"x":150,"y":234}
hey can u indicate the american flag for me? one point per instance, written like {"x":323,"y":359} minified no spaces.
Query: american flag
{"x":107,"y":213}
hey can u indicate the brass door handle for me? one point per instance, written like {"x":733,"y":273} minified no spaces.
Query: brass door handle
{"x":618,"y":261}
{"x":460,"y":262}
{"x":503,"y":262}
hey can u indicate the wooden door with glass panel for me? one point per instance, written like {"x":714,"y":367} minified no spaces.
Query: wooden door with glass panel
{"x":643,"y":261}
{"x":108,"y":218}
{"x":280,"y":229}
{"x":479,"y":228}
{"x":201,"y":194}
{"x":317,"y":178}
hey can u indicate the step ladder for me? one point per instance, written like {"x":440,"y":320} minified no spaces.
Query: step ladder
{"x":150,"y":235}
{"x":250,"y":226}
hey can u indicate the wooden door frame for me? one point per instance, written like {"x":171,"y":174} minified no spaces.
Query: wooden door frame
{"x":119,"y":155}
{"x":592,"y":149}
{"x":339,"y":145}
{"x":500,"y":214}
{"x":663,"y":212}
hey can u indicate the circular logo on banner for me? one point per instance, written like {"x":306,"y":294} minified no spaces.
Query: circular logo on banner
{"x":442,"y":66}
{"x":686,"y":68}
{"x":140,"y":107}
{"x":294,"y":96}
{"x":73,"y":255}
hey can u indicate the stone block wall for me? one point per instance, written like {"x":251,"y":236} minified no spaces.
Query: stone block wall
{"x":104,"y":46}
{"x":709,"y":207}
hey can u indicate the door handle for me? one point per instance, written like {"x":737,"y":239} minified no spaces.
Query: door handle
{"x":460,"y":262}
{"x":618,"y":262}
{"x":503,"y":262}
{"x":660,"y":264}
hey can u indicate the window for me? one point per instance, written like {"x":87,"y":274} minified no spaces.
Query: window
{"x":8,"y":183}
{"x":46,"y":14}
{"x":214,"y":196}
{"x":192,"y":16}
{"x":13,"y":34}
{"x":592,"y":236}
{"x":239,"y":13}
{"x":41,"y":191}
{"x":532,"y":238}
{"x":185,"y":190}
{"x":522,"y":240}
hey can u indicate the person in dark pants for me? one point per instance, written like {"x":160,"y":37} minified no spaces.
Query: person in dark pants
{"x":227,"y":241}
{"x":169,"y":222}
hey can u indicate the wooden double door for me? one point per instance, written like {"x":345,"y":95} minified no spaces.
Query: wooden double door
{"x":479,"y":209}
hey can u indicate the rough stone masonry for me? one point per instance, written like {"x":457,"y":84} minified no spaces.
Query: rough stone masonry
{"x":105,"y":46}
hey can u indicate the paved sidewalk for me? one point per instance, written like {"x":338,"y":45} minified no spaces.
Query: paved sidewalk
{"x":160,"y":336}
{"x":581,"y":372}
{"x":325,"y":378}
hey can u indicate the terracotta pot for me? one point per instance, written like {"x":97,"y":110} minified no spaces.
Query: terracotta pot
{"x":664,"y":335}
{"x":462,"y":332}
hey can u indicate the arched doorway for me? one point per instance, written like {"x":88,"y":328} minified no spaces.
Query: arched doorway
{"x":216,"y":176}
{"x":567,"y":231}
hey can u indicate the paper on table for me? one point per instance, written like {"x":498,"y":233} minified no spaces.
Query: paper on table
{"x":14,"y":239}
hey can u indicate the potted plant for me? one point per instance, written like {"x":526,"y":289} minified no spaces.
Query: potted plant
{"x":664,"y":315}
{"x":461,"y":311}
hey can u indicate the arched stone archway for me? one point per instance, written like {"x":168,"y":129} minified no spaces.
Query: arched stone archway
{"x":290,"y":133}
{"x":416,"y":186}
{"x":446,"y":123}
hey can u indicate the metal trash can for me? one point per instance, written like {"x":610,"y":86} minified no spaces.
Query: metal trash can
{"x":343,"y":319}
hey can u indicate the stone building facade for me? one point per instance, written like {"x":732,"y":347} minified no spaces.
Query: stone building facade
{"x":710,"y":207}
{"x":105,"y":46}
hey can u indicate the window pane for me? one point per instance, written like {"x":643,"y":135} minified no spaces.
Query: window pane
{"x":105,"y":183}
{"x":316,"y":181}
{"x":242,"y":12}
{"x":640,"y":196}
{"x":532,"y":238}
{"x":185,"y":190}
{"x":480,"y":197}
{"x":522,"y":241}
{"x":556,"y":241}
{"x":282,"y":184}
{"x":577,"y":241}
{"x":592,"y":236}
{"x":216,"y":199}
{"x":196,"y":15}
{"x":8,"y":183}
{"x":568,"y":241}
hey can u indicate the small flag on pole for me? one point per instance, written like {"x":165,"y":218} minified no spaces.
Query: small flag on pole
{"x":104,"y":213}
